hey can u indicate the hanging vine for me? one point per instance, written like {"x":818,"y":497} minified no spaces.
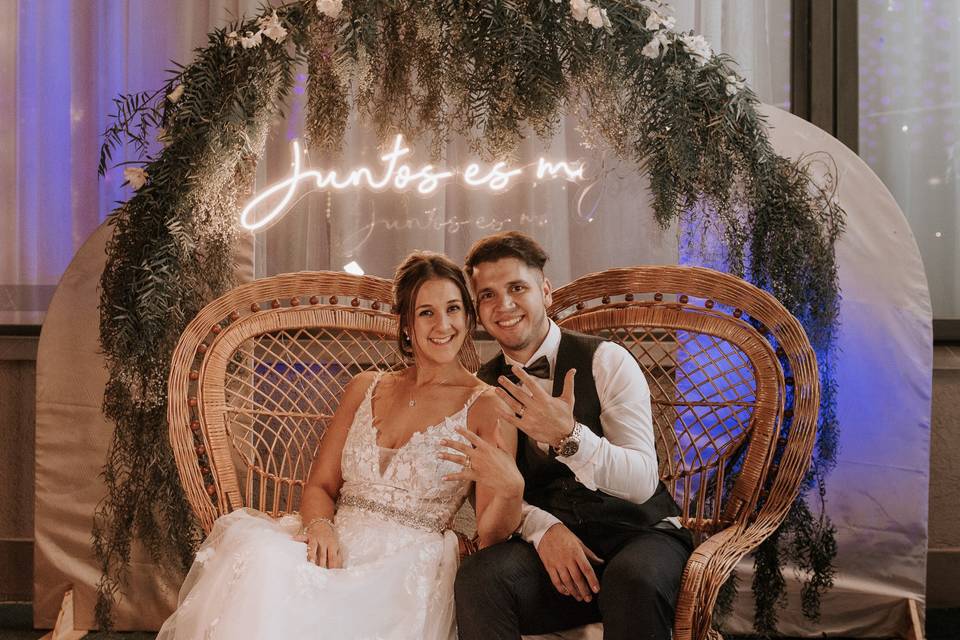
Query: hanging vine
{"x":490,"y":71}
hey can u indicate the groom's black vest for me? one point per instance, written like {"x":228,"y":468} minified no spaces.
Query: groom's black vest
{"x":550,"y":484}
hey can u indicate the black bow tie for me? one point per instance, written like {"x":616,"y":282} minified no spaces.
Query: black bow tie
{"x":539,"y":368}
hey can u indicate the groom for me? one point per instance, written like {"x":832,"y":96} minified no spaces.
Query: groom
{"x":598,"y":540}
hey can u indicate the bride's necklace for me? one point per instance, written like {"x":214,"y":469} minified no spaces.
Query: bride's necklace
{"x":412,"y":402}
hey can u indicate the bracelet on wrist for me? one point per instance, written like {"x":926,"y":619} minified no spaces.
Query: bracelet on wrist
{"x":305,"y":528}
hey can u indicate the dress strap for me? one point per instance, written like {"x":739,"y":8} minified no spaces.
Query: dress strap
{"x":373,"y":385}
{"x":473,"y":396}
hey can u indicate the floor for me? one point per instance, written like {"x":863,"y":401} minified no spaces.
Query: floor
{"x":15,"y":623}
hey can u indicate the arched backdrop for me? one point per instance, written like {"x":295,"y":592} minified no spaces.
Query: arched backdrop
{"x":72,"y":438}
{"x":877,"y":493}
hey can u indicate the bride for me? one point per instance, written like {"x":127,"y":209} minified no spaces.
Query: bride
{"x":370,"y":555}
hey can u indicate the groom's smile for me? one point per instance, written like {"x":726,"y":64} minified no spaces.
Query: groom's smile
{"x":512,"y":300}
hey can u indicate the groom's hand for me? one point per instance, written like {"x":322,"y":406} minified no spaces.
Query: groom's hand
{"x":567,"y":561}
{"x":534,"y":411}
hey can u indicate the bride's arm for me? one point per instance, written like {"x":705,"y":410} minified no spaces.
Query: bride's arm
{"x":323,"y":483}
{"x":499,"y":485}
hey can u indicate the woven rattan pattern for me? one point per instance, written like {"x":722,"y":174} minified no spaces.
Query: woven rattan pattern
{"x":258,"y":372}
{"x":257,"y":375}
{"x":709,"y":378}
{"x":691,"y":327}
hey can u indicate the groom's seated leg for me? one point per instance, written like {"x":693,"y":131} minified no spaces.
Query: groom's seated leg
{"x":639,"y":587}
{"x":503,"y":591}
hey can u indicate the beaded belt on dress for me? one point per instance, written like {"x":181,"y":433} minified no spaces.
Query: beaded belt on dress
{"x":402,"y":516}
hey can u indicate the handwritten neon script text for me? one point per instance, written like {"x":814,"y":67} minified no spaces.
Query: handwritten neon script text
{"x":426,"y":179}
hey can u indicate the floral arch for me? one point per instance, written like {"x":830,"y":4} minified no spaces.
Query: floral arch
{"x":490,"y":71}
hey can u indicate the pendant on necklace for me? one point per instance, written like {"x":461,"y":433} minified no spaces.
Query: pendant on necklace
{"x":412,"y":402}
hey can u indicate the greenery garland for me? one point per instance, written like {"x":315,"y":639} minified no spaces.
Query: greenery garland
{"x":491,"y":71}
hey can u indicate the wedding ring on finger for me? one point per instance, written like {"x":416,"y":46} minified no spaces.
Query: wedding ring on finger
{"x":468,"y":464}
{"x":520,"y":411}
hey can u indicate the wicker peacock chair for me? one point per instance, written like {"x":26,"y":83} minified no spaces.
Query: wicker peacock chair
{"x":258,"y":374}
{"x":713,"y":348}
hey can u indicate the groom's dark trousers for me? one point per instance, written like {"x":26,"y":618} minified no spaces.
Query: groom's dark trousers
{"x":504,"y":590}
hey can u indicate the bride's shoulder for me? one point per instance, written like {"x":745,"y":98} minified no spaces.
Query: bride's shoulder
{"x":358,"y":385}
{"x":363,"y":379}
{"x":484,"y":419}
{"x":486,"y":403}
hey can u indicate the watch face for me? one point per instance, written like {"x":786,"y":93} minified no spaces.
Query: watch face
{"x":569,"y":448}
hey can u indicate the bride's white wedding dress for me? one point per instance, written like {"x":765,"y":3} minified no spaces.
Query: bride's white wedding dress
{"x":251,"y":580}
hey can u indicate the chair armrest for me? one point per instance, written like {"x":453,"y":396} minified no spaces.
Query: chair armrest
{"x":707,"y":569}
{"x":467,"y":545}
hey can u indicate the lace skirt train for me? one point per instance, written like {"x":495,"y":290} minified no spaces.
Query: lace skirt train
{"x":251,"y":581}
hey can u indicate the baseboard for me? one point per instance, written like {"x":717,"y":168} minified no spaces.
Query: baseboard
{"x":943,"y":567}
{"x":16,"y":616}
{"x":16,"y":570}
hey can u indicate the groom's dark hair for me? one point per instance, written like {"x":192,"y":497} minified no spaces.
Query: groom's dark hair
{"x":509,"y":244}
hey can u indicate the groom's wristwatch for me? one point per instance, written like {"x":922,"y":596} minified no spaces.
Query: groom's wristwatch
{"x":569,"y":445}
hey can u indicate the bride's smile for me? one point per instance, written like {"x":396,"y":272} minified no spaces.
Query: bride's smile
{"x":439,"y":324}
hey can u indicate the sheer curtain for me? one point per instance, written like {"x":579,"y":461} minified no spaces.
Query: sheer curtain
{"x":63,"y":61}
{"x":611,"y":225}
{"x":61,"y":64}
{"x":910,"y":126}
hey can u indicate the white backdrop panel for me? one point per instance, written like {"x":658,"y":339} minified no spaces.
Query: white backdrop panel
{"x":877,"y":495}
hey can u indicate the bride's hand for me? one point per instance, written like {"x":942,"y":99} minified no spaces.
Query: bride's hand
{"x":323,"y":547}
{"x":485,"y":463}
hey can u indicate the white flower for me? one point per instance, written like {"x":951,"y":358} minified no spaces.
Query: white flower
{"x":734,"y":84}
{"x":658,"y":6}
{"x":655,"y":21}
{"x":659,"y":41}
{"x":136,"y":176}
{"x":232,"y":39}
{"x":251,"y":40}
{"x":271,"y":27}
{"x":204,"y":554}
{"x":330,"y":8}
{"x":578,"y":9}
{"x":174,"y":95}
{"x":698,"y":47}
{"x":598,"y":17}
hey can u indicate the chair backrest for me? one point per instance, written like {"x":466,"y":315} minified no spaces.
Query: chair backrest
{"x":258,"y":374}
{"x":717,"y":385}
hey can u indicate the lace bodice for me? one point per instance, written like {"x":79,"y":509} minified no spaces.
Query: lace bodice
{"x":411,"y":484}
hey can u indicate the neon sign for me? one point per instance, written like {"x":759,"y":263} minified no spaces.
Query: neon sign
{"x":393,"y":174}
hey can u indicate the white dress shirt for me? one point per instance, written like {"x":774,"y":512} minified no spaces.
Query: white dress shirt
{"x":622,"y":463}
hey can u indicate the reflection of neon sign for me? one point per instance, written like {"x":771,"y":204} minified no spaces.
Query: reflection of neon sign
{"x":425,"y":179}
{"x":432,"y":220}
